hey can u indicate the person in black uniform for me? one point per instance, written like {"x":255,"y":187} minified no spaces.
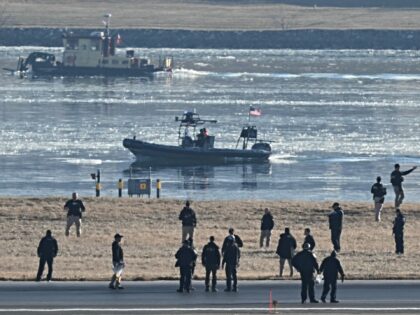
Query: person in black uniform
{"x":235,"y":237}
{"x":185,"y":259}
{"x":396,"y":181}
{"x":231,"y":258}
{"x":335,"y":219}
{"x":305,"y":262}
{"x":378,"y":191}
{"x":210,"y":258}
{"x":398,"y":232}
{"x":74,"y":208}
{"x":47,"y":250}
{"x":117,"y":262}
{"x":267,"y":224}
{"x":309,"y":239}
{"x":331,"y":267}
{"x":286,"y":250}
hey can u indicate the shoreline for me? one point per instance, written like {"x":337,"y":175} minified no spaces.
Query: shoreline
{"x":196,"y":39}
{"x":152,"y":235}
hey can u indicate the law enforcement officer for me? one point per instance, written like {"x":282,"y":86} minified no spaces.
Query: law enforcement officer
{"x":331,"y":267}
{"x":210,"y":258}
{"x":47,"y":250}
{"x":74,"y":208}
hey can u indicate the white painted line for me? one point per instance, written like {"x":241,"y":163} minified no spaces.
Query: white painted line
{"x":208,"y":309}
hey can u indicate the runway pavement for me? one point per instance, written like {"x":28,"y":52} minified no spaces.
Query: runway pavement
{"x":160,"y":297}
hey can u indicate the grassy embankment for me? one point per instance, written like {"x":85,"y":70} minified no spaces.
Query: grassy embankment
{"x":152,"y":235}
{"x":210,"y":14}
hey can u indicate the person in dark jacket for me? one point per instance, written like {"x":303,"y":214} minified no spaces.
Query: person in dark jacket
{"x":210,"y":258}
{"x":117,"y":262}
{"x":267,"y":224}
{"x":231,"y":258}
{"x":378,"y":191}
{"x":335,"y":219}
{"x":398,"y":232}
{"x":309,"y":239}
{"x":47,"y":250}
{"x":236,"y":239}
{"x":330,"y":268}
{"x":74,"y":208}
{"x":185,"y":259}
{"x":189,"y":221}
{"x":286,"y":249}
{"x":396,"y":181}
{"x":305,"y":262}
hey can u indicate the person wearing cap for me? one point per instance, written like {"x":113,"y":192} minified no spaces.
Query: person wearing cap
{"x":309,"y":238}
{"x":117,"y":262}
{"x":47,"y":250}
{"x":396,"y":181}
{"x":189,"y":222}
{"x":210,"y":259}
{"x":378,"y":191}
{"x":235,"y":238}
{"x":74,"y":208}
{"x":286,"y":250}
{"x":398,"y":232}
{"x":330,"y":268}
{"x":267,"y":224}
{"x":335,"y":219}
{"x":306,"y":264}
{"x":231,"y":257}
{"x":185,"y":258}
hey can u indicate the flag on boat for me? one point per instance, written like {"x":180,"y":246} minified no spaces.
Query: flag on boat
{"x":254,"y":111}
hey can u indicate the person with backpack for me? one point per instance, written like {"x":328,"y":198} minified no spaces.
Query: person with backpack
{"x":378,"y":191}
{"x":267,"y":224}
{"x":286,"y":249}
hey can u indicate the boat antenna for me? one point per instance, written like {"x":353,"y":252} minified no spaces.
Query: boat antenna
{"x":106,"y":21}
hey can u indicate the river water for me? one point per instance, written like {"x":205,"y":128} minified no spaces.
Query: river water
{"x":339,"y":118}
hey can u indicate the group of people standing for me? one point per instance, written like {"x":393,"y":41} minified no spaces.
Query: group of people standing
{"x":213,"y":258}
{"x":378,"y":191}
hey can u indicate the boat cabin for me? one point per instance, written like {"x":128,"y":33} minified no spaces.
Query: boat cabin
{"x":98,"y":50}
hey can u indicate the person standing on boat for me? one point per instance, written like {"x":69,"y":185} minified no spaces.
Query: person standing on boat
{"x":396,"y":181}
{"x":189,"y":222}
{"x":379,"y":191}
{"x":74,"y":208}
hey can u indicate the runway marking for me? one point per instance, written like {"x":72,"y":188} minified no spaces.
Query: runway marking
{"x":209,"y":309}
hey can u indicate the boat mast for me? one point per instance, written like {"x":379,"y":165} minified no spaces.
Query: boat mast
{"x":107,"y":19}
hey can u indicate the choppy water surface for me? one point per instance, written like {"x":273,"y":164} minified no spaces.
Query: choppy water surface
{"x":338,"y":119}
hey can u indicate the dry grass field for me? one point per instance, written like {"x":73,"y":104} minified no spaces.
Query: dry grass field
{"x":210,"y":14}
{"x":152,"y":235}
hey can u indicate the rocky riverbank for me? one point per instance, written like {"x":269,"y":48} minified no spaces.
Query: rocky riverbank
{"x":293,"y":39}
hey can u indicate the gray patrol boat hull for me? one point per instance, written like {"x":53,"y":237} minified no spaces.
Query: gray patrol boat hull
{"x":170,"y":154}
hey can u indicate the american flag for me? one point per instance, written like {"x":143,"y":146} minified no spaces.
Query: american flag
{"x":254,"y":111}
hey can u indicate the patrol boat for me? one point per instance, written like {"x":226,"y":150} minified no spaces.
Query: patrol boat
{"x":199,"y":148}
{"x":91,"y":55}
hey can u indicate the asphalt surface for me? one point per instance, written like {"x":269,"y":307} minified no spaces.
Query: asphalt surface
{"x":160,"y":297}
